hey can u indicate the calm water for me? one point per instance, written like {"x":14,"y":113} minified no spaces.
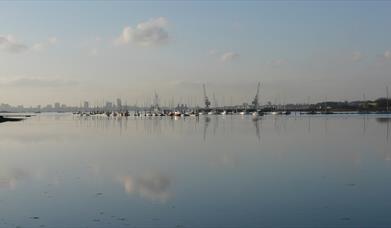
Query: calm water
{"x":65,"y":171}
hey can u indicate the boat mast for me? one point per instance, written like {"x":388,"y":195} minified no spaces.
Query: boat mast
{"x":206,"y":99}
{"x":215,"y":101}
{"x":256,"y":98}
{"x":387,"y":97}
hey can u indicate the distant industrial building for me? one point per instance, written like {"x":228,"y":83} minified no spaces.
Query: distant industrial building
{"x":109,"y":105}
{"x":86,"y":105}
{"x":119,"y":103}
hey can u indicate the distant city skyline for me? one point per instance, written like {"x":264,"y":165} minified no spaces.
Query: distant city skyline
{"x":71,"y":52}
{"x":85,"y":106}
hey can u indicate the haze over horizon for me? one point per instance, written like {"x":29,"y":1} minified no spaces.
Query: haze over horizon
{"x":74,"y":51}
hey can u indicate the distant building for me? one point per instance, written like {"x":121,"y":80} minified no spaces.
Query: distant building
{"x":86,"y":105}
{"x":5,"y":107}
{"x":109,"y":105}
{"x":119,"y":103}
{"x":57,"y":105}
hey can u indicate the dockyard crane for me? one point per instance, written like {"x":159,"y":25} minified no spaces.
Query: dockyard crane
{"x":206,"y":99}
{"x":256,"y":98}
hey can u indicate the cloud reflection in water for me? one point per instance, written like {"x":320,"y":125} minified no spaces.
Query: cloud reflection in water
{"x":152,"y":186}
{"x":10,"y":178}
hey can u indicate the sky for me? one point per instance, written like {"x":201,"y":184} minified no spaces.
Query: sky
{"x":300,"y":51}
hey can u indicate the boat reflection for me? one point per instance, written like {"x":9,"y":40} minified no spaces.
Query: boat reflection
{"x":257,"y":122}
{"x":386,"y":121}
{"x":206,"y":124}
{"x":383,"y":119}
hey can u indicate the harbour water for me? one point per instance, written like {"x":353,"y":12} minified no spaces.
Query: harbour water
{"x":216,"y":171}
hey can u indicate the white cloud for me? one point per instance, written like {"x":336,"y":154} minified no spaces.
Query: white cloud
{"x":44,"y":45}
{"x":357,"y":56}
{"x":383,"y":58}
{"x":52,"y":40}
{"x":229,"y":56}
{"x":148,"y":33}
{"x":9,"y":44}
{"x":387,"y":54}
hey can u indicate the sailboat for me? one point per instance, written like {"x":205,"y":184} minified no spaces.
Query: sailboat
{"x":255,"y":102}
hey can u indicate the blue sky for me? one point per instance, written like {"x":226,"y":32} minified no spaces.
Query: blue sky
{"x":72,"y":51}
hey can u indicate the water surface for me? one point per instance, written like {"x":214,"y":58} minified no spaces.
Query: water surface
{"x":216,"y":171}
